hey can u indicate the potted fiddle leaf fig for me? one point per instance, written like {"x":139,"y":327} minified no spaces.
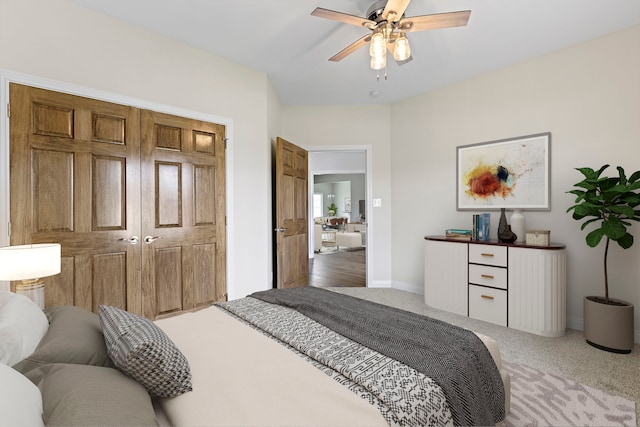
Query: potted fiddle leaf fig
{"x":332,"y":209}
{"x":611,"y":203}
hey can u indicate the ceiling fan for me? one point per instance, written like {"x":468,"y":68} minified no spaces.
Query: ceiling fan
{"x":388,"y":26}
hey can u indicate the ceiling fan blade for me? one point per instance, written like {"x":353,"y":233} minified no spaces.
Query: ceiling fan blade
{"x":351,"y":48}
{"x":396,"y":8}
{"x":343,"y":17}
{"x":433,"y":22}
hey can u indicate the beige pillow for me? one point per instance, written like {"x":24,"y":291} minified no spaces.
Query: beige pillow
{"x":85,"y":395}
{"x":74,"y":336}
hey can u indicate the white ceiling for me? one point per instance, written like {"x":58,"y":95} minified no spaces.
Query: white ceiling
{"x":281,"y":38}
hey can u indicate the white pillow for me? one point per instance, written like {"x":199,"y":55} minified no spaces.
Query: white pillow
{"x":20,"y":399}
{"x":22,"y":326}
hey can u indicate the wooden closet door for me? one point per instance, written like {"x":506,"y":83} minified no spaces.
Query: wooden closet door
{"x":184,"y":225}
{"x":75,"y":180}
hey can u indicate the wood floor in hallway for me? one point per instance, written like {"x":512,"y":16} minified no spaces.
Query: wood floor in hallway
{"x":340,"y":268}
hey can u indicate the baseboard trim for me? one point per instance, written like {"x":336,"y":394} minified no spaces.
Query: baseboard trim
{"x":408,"y":287}
{"x":380,"y":284}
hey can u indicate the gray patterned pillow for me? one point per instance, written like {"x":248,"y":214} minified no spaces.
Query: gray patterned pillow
{"x":144,"y":352}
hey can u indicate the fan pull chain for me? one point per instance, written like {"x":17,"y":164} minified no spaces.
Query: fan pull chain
{"x":378,"y":74}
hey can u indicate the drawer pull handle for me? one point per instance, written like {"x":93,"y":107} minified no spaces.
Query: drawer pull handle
{"x":486,"y":276}
{"x":486,"y":296}
{"x":485,"y":254}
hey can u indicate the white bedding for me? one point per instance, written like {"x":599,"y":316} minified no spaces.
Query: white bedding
{"x":241,"y":377}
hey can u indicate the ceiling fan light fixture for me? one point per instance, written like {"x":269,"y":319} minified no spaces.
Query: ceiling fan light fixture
{"x":378,"y":62}
{"x":378,"y":45}
{"x":402,"y":50}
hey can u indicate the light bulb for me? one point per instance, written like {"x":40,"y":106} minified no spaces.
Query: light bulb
{"x":378,"y":46}
{"x":402,"y":51}
{"x":378,"y":62}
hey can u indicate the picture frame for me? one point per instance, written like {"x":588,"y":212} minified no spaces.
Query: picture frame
{"x":513,"y":173}
{"x":347,"y":204}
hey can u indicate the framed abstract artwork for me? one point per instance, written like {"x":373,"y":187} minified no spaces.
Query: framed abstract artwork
{"x":510,"y":173}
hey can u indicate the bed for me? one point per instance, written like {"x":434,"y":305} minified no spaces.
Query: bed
{"x":269,"y":359}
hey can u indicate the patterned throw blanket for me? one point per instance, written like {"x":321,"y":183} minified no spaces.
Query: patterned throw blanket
{"x":440,"y":371}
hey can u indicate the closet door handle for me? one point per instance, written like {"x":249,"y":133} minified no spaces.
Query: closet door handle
{"x":280,"y":230}
{"x":132,"y":240}
{"x":149,"y":240}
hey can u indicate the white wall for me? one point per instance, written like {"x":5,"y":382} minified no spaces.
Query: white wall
{"x":274,"y":119}
{"x":65,"y":42}
{"x":356,"y":125}
{"x":335,"y":162}
{"x":587,"y":96}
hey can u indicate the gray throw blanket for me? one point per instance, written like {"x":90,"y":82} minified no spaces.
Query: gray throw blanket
{"x":453,"y":357}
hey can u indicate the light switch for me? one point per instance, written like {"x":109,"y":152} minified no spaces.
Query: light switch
{"x":377,"y":203}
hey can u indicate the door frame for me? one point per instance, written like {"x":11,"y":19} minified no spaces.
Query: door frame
{"x":368,"y":150}
{"x":8,"y":76}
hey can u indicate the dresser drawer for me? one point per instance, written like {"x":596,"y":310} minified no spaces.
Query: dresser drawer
{"x":488,"y":254}
{"x":489,"y":276}
{"x":488,"y":304}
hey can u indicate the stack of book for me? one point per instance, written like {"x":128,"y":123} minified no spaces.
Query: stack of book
{"x":457,"y":234}
{"x":481,"y":224}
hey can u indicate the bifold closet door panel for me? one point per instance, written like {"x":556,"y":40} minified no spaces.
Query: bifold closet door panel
{"x":75,"y":180}
{"x":183,"y":195}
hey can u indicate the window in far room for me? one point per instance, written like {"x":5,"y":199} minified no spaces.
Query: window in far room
{"x":317,"y":205}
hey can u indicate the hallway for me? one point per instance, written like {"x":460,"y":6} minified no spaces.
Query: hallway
{"x":341,"y":269}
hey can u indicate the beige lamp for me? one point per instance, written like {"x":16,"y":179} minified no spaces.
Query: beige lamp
{"x":30,"y":263}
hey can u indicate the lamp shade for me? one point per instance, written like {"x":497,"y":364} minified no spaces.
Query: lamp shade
{"x":378,"y":45}
{"x":378,"y":62}
{"x":29,"y":261}
{"x":402,"y":51}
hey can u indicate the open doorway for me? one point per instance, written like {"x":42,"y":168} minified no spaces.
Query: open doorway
{"x":339,"y":229}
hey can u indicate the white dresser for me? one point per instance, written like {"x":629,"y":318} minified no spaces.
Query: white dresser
{"x":515,"y":285}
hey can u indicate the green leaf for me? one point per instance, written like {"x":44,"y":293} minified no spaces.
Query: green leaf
{"x":577,"y":192}
{"x":579,"y":195}
{"x":620,"y":188}
{"x":623,"y":210}
{"x":625,"y":241}
{"x":587,"y":222}
{"x":607,"y":184}
{"x":613,"y":228}
{"x":587,"y":172}
{"x":594,"y":237}
{"x":631,"y":199}
{"x":634,"y":176}
{"x":601,"y":170}
{"x":586,"y":185}
{"x":621,"y":175}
